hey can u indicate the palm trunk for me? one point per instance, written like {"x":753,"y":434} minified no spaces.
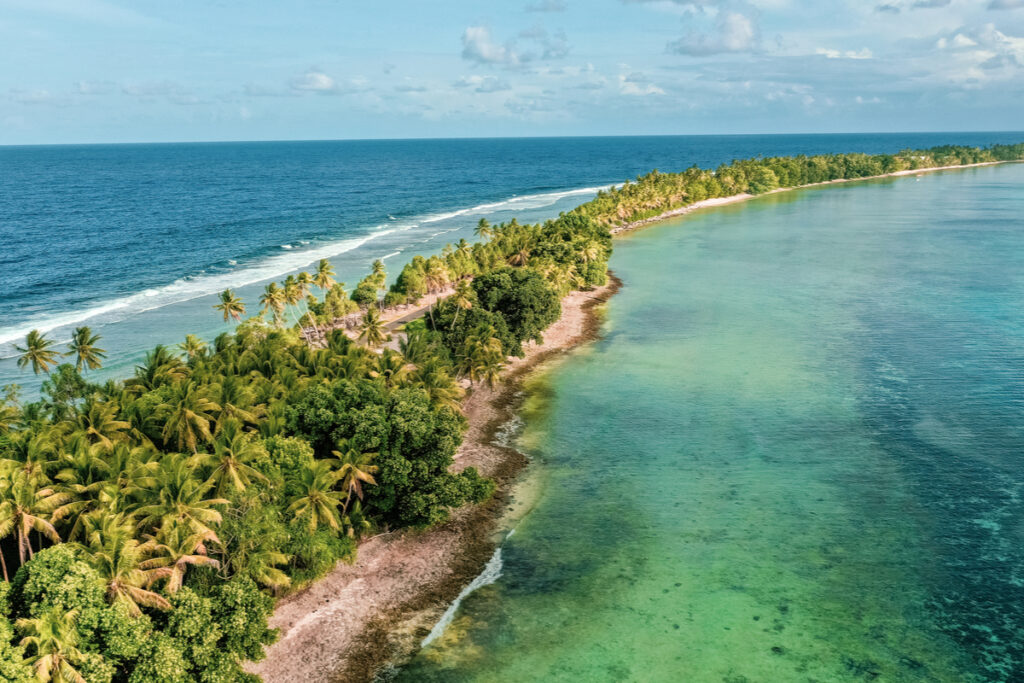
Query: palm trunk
{"x":3,"y":563}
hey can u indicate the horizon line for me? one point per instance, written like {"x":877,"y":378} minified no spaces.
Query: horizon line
{"x":499,"y":137}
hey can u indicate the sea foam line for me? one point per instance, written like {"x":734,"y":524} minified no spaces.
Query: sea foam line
{"x":290,"y":259}
{"x":490,"y":574}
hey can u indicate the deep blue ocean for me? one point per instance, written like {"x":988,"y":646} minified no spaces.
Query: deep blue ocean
{"x":135,"y":240}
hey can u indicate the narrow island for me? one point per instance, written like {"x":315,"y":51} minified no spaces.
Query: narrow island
{"x":278,"y":501}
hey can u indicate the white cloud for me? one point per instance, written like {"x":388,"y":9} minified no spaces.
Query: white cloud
{"x":478,"y":46}
{"x":733,"y":32}
{"x":864,"y":53}
{"x":483,"y":84}
{"x":637,"y":84}
{"x":315,"y":81}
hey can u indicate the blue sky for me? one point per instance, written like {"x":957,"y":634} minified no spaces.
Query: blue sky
{"x":118,"y":71}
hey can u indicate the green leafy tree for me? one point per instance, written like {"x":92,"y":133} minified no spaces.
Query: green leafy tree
{"x":37,"y":352}
{"x":85,"y":350}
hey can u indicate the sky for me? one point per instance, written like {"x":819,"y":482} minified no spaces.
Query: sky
{"x":82,"y":71}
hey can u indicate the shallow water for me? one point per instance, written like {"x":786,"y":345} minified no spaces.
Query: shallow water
{"x":795,"y":455}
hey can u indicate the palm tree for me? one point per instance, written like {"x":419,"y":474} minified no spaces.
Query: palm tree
{"x":159,"y":367}
{"x":187,"y":415}
{"x":230,"y":305}
{"x":261,"y":566}
{"x":292,"y":292}
{"x":273,"y":300}
{"x":318,"y":500}
{"x":482,"y":356}
{"x":37,"y":352}
{"x":483,"y":229}
{"x":324,"y":277}
{"x":372,"y":330}
{"x":98,"y":423}
{"x":53,"y":640}
{"x":83,"y":347}
{"x":437,"y":274}
{"x":391,"y":369}
{"x":24,"y":508}
{"x":232,"y":450}
{"x":354,"y":471}
{"x":176,"y":550}
{"x":193,"y":346}
{"x":463,"y":298}
{"x":118,"y":557}
{"x":434,"y":379}
{"x":180,"y":498}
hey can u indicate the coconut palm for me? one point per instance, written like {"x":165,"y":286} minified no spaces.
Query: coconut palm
{"x":160,"y":366}
{"x":391,"y":369}
{"x":482,"y":357}
{"x":37,"y":352}
{"x":233,"y":449}
{"x":355,"y":470}
{"x":483,"y":229}
{"x":193,"y":346}
{"x":261,"y":565}
{"x":318,"y":501}
{"x":9,"y":416}
{"x":187,"y":415}
{"x":273,"y":300}
{"x":230,"y":305}
{"x":434,"y":379}
{"x":83,"y":348}
{"x":98,"y":423}
{"x":324,"y":277}
{"x":52,"y":640}
{"x":372,"y":329}
{"x":119,"y":558}
{"x":180,"y":498}
{"x":24,"y":508}
{"x":437,"y":274}
{"x":463,"y":298}
{"x":175,"y":550}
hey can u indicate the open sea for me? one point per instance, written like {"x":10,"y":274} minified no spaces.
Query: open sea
{"x":796,"y":454}
{"x":135,"y":240}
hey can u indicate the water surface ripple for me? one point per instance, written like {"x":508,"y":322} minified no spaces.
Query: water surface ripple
{"x":796,"y":454}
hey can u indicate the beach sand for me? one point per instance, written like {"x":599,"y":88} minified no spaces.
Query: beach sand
{"x":732,"y":199}
{"x":360,"y":617}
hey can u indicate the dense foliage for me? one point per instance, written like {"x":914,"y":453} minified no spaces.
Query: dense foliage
{"x":151,"y":521}
{"x":655,"y":193}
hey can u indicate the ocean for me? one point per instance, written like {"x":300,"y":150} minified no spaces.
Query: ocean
{"x":135,"y":240}
{"x":796,"y":453}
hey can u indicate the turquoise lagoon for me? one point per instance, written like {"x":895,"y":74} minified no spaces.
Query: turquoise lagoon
{"x":795,"y":454}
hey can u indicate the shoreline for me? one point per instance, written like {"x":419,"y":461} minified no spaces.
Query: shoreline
{"x":360,"y":618}
{"x":744,"y":196}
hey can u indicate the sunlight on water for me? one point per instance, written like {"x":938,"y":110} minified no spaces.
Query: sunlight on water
{"x":794,"y":456}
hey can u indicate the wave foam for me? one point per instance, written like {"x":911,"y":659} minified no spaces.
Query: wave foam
{"x":287,"y":260}
{"x":490,"y":574}
{"x":527,"y":201}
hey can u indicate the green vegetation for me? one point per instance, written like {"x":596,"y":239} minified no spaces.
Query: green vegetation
{"x":146,"y":525}
{"x":655,"y":193}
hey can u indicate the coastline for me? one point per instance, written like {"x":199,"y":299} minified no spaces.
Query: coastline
{"x":742,"y":197}
{"x":361,"y":617}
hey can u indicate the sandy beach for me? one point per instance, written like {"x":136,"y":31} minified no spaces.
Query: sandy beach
{"x":362,"y":616}
{"x":732,"y":199}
